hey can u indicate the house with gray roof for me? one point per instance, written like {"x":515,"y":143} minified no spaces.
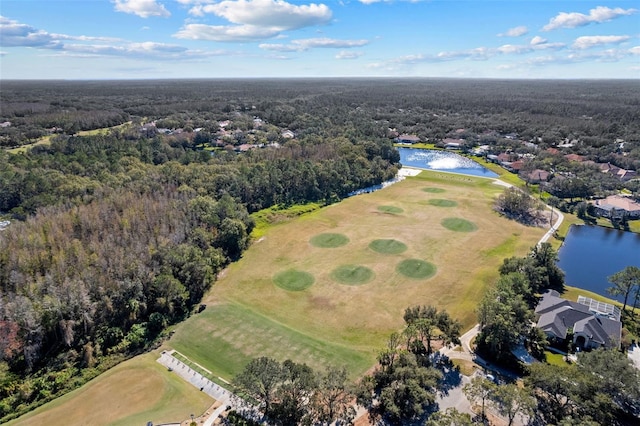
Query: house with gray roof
{"x":591,"y":328}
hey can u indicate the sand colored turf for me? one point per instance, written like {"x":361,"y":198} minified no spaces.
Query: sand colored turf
{"x":438,"y":202}
{"x":433,"y":190}
{"x":248,"y":316}
{"x":135,"y":392}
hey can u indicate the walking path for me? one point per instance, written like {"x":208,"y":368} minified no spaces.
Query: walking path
{"x":217,"y":392}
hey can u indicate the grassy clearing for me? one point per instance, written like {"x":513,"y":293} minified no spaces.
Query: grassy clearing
{"x":388,"y":246}
{"x":273,"y":216}
{"x":348,"y":324}
{"x":228,"y":336}
{"x":329,"y":240}
{"x":416,"y":268}
{"x":328,"y":323}
{"x":135,"y":392}
{"x":293,"y":280}
{"x":555,"y":359}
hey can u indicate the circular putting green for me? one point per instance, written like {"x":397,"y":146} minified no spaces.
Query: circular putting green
{"x":433,"y":190}
{"x":329,"y":240}
{"x":459,"y":225}
{"x":352,"y":274}
{"x":442,"y":203}
{"x":388,"y":246}
{"x":416,"y":268}
{"x":293,"y":280}
{"x":390,"y":209}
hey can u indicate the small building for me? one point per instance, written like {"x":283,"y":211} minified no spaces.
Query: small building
{"x":537,"y":176}
{"x":616,"y":207}
{"x":288,"y":134}
{"x":405,"y":138}
{"x":574,"y":157}
{"x":454,"y":144}
{"x":591,"y":327}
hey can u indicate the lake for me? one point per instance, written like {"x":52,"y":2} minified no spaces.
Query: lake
{"x":445,"y":161}
{"x":590,"y":254}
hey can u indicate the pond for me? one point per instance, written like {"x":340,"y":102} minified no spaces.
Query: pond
{"x":442,"y":160}
{"x":590,"y":254}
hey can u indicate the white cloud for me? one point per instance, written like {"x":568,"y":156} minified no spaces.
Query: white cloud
{"x":515,"y":32}
{"x":575,"y":19}
{"x":233,"y":33}
{"x":276,"y":14}
{"x":311,"y":43}
{"x":635,"y":50}
{"x":15,"y":34}
{"x":511,"y":49}
{"x":142,"y":8}
{"x":348,"y":54}
{"x":586,"y":42}
{"x":538,"y":40}
{"x":253,"y":19}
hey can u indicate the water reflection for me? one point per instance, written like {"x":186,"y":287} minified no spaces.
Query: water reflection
{"x":442,"y":160}
{"x":590,"y":254}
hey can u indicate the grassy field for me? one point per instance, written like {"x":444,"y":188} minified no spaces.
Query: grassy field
{"x":336,"y":321}
{"x":320,"y":321}
{"x":135,"y":392}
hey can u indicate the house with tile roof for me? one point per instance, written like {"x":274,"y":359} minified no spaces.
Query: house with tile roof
{"x":617,"y":206}
{"x":560,"y":318}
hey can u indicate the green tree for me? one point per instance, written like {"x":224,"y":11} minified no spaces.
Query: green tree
{"x":482,"y":390}
{"x":624,"y":282}
{"x":260,"y":378}
{"x":451,"y":417}
{"x":425,"y":323}
{"x":511,"y":400}
{"x":401,"y":393}
{"x":333,"y":399}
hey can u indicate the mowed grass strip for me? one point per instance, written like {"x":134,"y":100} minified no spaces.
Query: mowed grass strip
{"x":416,"y":268}
{"x":225,"y":337}
{"x":388,"y":246}
{"x":329,"y":240}
{"x":293,"y":280}
{"x":132,"y":393}
{"x":352,"y":274}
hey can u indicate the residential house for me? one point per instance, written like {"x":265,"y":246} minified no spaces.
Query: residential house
{"x":288,"y":134}
{"x":574,"y":157}
{"x":537,"y":176}
{"x":622,"y":174}
{"x":450,"y":143}
{"x":592,"y":327}
{"x":617,"y":206}
{"x":405,"y":138}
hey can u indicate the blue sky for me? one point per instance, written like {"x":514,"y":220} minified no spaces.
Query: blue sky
{"x":134,"y":39}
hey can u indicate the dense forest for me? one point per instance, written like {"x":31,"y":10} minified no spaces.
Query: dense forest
{"x":131,"y":196}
